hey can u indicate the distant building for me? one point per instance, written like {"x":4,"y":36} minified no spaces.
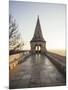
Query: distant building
{"x":38,"y":44}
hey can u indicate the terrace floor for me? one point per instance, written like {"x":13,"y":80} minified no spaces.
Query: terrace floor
{"x":36,"y":71}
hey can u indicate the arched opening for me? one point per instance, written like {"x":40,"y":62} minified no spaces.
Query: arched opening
{"x":38,"y":48}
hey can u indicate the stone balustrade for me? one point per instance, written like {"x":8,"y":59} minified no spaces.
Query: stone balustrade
{"x":58,"y":63}
{"x":16,"y":59}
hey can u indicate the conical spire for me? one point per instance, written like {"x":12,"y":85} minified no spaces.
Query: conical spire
{"x":38,"y":33}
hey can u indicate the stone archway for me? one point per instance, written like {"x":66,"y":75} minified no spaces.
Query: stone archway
{"x":38,"y":48}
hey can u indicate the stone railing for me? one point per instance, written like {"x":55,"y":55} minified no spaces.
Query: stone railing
{"x":57,"y":62}
{"x":16,"y":59}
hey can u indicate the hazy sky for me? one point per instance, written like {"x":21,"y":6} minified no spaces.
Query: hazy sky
{"x":52,"y":20}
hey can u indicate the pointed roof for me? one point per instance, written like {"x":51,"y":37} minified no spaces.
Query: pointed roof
{"x":38,"y":33}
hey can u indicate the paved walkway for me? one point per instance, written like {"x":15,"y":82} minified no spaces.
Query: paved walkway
{"x":36,"y":71}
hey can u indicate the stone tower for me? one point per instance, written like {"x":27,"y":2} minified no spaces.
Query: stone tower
{"x":38,"y":44}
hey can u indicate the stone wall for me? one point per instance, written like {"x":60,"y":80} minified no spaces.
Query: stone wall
{"x":58,"y":63}
{"x":16,"y":59}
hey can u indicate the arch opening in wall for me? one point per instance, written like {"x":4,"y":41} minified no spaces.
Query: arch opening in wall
{"x":38,"y":48}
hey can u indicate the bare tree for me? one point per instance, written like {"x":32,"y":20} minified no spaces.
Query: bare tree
{"x":14,"y":35}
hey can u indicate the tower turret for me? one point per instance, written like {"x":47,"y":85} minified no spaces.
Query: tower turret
{"x":38,"y":44}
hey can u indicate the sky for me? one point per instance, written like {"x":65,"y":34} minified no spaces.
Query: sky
{"x":52,"y":19}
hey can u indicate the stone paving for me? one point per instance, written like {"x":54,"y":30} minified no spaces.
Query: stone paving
{"x":36,"y":71}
